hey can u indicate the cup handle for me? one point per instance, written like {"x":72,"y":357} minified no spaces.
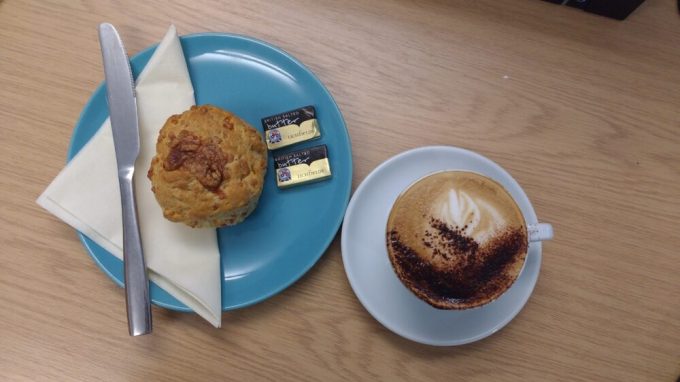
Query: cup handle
{"x":540,"y":232}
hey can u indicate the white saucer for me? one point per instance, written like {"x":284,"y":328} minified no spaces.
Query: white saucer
{"x":371,"y":275}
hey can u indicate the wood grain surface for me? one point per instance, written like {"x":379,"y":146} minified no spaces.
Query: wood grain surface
{"x":584,"y":111}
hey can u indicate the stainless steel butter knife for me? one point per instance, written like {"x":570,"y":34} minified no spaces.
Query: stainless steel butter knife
{"x":120,"y":94}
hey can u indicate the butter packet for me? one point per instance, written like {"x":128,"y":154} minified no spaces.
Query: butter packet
{"x":291,"y":127}
{"x":302,"y":166}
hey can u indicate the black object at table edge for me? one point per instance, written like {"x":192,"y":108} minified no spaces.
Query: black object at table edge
{"x":617,"y":9}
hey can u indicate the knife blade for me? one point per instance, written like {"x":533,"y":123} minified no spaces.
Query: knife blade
{"x":121,"y":98}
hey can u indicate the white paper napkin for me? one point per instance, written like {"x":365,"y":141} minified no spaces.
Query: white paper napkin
{"x":183,"y":261}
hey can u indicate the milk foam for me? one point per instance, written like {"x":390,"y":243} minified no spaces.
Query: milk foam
{"x":474,"y":216}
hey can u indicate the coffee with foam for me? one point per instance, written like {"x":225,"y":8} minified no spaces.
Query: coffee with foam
{"x":457,"y":239}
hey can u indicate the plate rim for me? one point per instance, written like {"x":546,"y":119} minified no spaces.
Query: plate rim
{"x":344,"y":245}
{"x":85,"y":241}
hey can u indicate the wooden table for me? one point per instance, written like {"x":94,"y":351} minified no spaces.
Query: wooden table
{"x":584,"y":111}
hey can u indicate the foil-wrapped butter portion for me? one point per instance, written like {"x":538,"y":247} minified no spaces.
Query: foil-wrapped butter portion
{"x":291,"y":127}
{"x":302,"y":166}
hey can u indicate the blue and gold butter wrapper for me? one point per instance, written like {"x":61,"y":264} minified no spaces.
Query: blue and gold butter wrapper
{"x":291,"y":127}
{"x":302,"y":166}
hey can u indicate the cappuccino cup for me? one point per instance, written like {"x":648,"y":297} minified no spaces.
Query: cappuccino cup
{"x":458,"y":239}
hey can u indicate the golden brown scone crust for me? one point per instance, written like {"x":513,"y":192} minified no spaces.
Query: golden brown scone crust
{"x":209,"y":167}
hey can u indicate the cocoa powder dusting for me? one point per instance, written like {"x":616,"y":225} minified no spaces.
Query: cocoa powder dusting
{"x":451,"y":240}
{"x":474,"y":273}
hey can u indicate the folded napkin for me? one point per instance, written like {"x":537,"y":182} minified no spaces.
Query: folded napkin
{"x":183,"y":261}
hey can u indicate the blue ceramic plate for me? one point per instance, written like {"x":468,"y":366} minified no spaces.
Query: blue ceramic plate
{"x":290,"y":229}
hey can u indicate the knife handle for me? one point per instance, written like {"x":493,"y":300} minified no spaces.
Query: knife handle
{"x":137,"y":298}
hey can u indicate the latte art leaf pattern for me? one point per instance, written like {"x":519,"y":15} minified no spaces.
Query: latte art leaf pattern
{"x":461,"y":211}
{"x":465,"y":212}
